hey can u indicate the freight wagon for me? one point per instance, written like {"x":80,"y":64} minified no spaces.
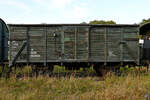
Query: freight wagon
{"x":77,"y":45}
{"x":73,"y":45}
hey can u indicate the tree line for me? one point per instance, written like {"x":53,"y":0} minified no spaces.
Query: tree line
{"x":113,"y":22}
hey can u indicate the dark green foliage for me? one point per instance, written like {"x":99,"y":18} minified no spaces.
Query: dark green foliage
{"x":102,"y":22}
{"x":144,"y":21}
{"x":83,"y":23}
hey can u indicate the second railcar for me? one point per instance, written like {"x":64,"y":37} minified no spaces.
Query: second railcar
{"x":3,"y":42}
{"x":73,"y":44}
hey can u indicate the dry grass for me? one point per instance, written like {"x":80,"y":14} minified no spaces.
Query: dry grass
{"x":128,"y":87}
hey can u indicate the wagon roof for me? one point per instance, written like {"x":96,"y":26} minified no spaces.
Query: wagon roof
{"x":111,"y":25}
{"x":4,"y":23}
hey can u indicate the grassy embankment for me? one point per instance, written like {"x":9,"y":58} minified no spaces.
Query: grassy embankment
{"x":131,"y":85}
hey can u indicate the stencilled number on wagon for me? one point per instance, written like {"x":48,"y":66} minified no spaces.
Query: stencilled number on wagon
{"x":34,"y":54}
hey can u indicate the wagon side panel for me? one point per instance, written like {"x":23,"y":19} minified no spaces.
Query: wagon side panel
{"x":97,"y":44}
{"x":82,"y":43}
{"x":131,"y":46}
{"x":113,"y":44}
{"x":54,"y":43}
{"x":16,"y":38}
{"x":37,"y":44}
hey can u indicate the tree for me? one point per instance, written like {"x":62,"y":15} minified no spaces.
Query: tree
{"x":83,"y":23}
{"x":144,"y":21}
{"x":102,"y":22}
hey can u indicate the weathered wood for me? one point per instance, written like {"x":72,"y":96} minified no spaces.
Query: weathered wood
{"x":76,"y":42}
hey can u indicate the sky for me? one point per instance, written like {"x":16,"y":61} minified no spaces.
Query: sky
{"x":73,"y":11}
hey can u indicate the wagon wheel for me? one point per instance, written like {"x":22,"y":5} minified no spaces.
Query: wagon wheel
{"x":101,"y":70}
{"x":72,"y":67}
{"x":48,"y":70}
{"x":117,"y":71}
{"x":35,"y":70}
{"x":98,"y":70}
{"x":68,"y":68}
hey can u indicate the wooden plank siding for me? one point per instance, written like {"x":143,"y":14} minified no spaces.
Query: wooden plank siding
{"x":82,"y":43}
{"x":97,"y":43}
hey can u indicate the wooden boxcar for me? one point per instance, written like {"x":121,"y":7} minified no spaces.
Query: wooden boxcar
{"x":73,"y":45}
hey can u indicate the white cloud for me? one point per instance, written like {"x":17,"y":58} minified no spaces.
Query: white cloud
{"x":61,"y":8}
{"x":41,"y":1}
{"x":14,"y":3}
{"x":53,"y":11}
{"x":16,"y":11}
{"x":54,"y":3}
{"x":61,"y":3}
{"x":79,"y":12}
{"x":60,"y":12}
